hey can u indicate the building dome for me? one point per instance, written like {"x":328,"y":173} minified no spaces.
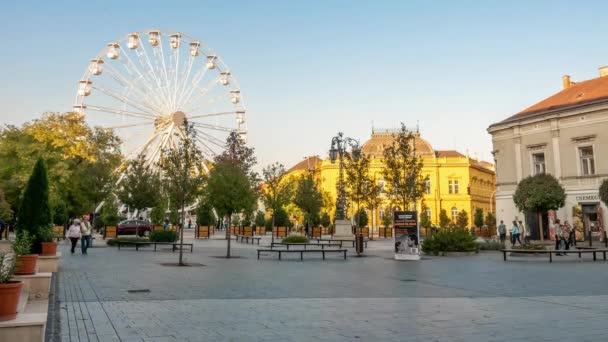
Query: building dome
{"x":383,"y":138}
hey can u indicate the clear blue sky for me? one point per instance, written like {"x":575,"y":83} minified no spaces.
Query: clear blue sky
{"x":309,"y":69}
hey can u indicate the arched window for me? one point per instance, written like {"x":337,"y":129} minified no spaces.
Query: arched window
{"x":454,"y":214}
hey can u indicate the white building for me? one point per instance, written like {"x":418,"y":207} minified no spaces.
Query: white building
{"x":565,"y":135}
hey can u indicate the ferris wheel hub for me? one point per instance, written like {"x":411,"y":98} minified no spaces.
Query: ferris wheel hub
{"x":178,"y":118}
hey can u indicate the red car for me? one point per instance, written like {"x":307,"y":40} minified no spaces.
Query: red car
{"x":130,"y":227}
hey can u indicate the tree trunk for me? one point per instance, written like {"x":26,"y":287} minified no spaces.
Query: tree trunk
{"x":540,"y":226}
{"x":272,"y":229}
{"x":181,"y":239}
{"x":228,"y":235}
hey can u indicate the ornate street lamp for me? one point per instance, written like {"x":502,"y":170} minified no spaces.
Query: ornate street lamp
{"x":339,"y":143}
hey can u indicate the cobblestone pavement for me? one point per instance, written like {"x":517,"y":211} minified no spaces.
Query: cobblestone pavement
{"x":125,"y":295}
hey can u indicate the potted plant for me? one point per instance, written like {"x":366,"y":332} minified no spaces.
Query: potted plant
{"x":10,"y":290}
{"x":47,"y":237}
{"x":25,"y":262}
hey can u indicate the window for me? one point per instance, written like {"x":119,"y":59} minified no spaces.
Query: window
{"x":381,"y":185}
{"x":453,"y":186}
{"x":538,"y":162}
{"x":428,"y":213}
{"x":381,"y":213}
{"x":587,"y":160}
{"x":427,"y":184}
{"x":454,"y":214}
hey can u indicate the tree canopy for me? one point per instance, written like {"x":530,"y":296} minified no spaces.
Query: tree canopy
{"x":539,"y":193}
{"x":356,"y":167}
{"x":276,"y":191}
{"x":403,"y":171}
{"x":140,"y":187}
{"x":478,"y":218}
{"x":308,"y":197}
{"x":604,"y":191}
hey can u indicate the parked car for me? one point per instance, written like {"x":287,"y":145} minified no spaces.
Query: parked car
{"x":130,"y":227}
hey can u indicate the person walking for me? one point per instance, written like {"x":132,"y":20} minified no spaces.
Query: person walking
{"x":502,"y":231}
{"x":523,"y":230}
{"x":571,"y":235}
{"x":74,"y":234}
{"x":557,"y":229}
{"x":565,"y":237}
{"x":515,"y":234}
{"x":85,"y":233}
{"x":166,"y":226}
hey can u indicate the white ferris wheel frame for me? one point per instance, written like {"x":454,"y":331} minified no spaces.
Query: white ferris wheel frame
{"x":159,"y":93}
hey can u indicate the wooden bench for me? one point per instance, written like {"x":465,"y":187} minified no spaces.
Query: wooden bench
{"x":247,"y":238}
{"x":305,"y":244}
{"x":552,"y":251}
{"x":341,"y":241}
{"x":302,"y":251}
{"x":137,"y":244}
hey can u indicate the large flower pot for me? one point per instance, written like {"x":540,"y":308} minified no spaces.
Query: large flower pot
{"x":9,"y":299}
{"x":49,"y":248}
{"x":26,"y":264}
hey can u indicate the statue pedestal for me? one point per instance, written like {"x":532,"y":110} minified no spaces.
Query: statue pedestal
{"x":343,"y":230}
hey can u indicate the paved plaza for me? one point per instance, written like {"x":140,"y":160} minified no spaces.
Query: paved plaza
{"x":113,"y":295}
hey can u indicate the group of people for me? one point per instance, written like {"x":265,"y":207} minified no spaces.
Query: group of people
{"x":564,"y":236}
{"x":80,"y":229}
{"x":517,"y":230}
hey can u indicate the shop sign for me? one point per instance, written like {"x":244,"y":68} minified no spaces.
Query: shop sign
{"x":587,"y":198}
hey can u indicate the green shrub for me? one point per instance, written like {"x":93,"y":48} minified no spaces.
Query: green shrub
{"x":450,"y":240}
{"x":532,"y":246}
{"x":112,"y":242}
{"x":46,"y":234}
{"x":491,"y":246}
{"x":163,"y":236}
{"x":296,"y":239}
{"x":22,"y":244}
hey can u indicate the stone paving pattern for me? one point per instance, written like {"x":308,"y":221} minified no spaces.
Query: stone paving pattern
{"x":474,"y":298}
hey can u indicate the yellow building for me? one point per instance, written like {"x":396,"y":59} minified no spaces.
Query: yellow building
{"x":454,"y":181}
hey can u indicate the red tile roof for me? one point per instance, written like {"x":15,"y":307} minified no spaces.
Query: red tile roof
{"x":581,"y":93}
{"x":306,"y":163}
{"x":449,"y":154}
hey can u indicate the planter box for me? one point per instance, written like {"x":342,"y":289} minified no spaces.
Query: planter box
{"x":452,"y":254}
{"x":37,"y":286}
{"x":48,"y":263}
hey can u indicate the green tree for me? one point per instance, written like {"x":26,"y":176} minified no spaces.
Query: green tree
{"x":373,"y":200}
{"x":60,"y":214}
{"x":444,"y":219}
{"x":308,"y":197}
{"x":403,"y":170}
{"x":140,"y":187}
{"x":109,"y":213}
{"x":478,"y":218}
{"x":604,"y":191}
{"x":204,"y":214}
{"x":425,"y":220}
{"x":325,"y":220}
{"x":276,"y":191}
{"x":159,"y":212}
{"x":361,"y":218}
{"x":356,"y":167}
{"x":462,"y":220}
{"x":260,"y":221}
{"x":181,"y":176}
{"x":490,"y":221}
{"x":387,"y":219}
{"x":35,"y":212}
{"x":281,"y":218}
{"x":6,"y":213}
{"x":539,"y":194}
{"x":230,"y":191}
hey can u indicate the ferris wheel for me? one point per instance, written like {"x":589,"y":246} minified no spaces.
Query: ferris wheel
{"x":146,"y":85}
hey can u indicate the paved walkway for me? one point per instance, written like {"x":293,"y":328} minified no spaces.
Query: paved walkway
{"x":125,"y":295}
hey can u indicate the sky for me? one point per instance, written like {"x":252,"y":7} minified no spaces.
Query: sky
{"x":311,"y":69}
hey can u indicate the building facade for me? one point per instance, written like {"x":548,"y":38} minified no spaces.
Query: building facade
{"x":454,"y":181}
{"x":563,"y":135}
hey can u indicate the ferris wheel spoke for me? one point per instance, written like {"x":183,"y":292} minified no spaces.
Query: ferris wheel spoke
{"x":184,"y":82}
{"x":209,"y":102}
{"x":167,"y":83}
{"x":152,"y":69}
{"x":206,"y":147}
{"x":200,"y":116}
{"x":210,"y":138}
{"x":129,"y":101}
{"x":175,"y":54}
{"x":119,"y":112}
{"x":195,"y":82}
{"x":132,"y":68}
{"x":119,"y":78}
{"x":139,"y":124}
{"x":203,"y":92}
{"x":214,"y":127}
